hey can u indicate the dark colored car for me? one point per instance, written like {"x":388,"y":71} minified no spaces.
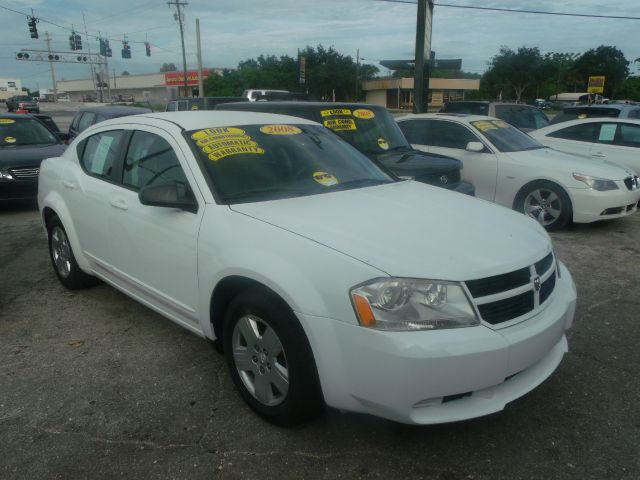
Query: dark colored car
{"x":204,"y":103}
{"x":621,"y":110}
{"x":92,"y":115}
{"x":24,"y":143}
{"x":373,"y":131}
{"x":48,"y":122}
{"x":22,"y":102}
{"x":523,"y":117}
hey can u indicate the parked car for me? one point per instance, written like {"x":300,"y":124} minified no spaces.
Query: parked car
{"x":86,"y":117}
{"x":89,"y":98}
{"x":372,"y":130}
{"x":253,"y":95}
{"x":522,"y":116}
{"x":611,"y":110}
{"x":48,"y":122}
{"x":512,"y":169}
{"x":314,"y":268}
{"x":24,"y":143}
{"x":612,"y":139}
{"x":204,"y":103}
{"x":22,"y":102}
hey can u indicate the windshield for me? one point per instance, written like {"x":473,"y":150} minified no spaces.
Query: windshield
{"x":24,"y":131}
{"x":505,"y":137}
{"x":251,"y":163}
{"x":371,"y":132}
{"x":522,"y":116}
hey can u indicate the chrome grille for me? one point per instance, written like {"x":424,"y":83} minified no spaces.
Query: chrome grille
{"x":506,"y":297}
{"x":27,"y":173}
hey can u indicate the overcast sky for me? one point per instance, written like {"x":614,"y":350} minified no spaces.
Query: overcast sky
{"x":234,"y":30}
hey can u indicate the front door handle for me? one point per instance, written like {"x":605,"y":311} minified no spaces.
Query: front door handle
{"x":598,"y":154}
{"x":119,"y":204}
{"x":69,"y":184}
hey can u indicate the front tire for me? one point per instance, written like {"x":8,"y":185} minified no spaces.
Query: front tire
{"x":270,"y":360}
{"x":545,"y":202}
{"x":63,"y":260}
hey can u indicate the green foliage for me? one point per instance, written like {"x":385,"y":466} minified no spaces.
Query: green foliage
{"x":327,"y":71}
{"x":168,"y":67}
{"x":630,"y":89}
{"x":607,"y":61}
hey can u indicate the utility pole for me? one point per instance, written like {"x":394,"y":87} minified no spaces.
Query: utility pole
{"x":200,"y":80}
{"x":180,"y":19}
{"x":423,"y":55}
{"x":357,"y":72}
{"x":47,"y":38}
{"x":93,"y":71}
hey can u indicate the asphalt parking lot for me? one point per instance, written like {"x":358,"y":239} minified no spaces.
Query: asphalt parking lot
{"x":94,"y":385}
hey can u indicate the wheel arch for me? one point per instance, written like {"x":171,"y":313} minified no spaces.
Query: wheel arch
{"x":527,"y":185}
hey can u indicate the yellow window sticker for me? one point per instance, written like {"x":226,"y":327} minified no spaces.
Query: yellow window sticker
{"x":4,"y":121}
{"x":225,"y":152}
{"x":194,"y":107}
{"x":484,"y":125}
{"x":335,"y":111}
{"x":340,"y":124}
{"x":212,"y":147}
{"x":500,"y":124}
{"x":364,"y":114}
{"x":10,"y":139}
{"x":280,"y":130}
{"x":214,"y":135}
{"x":324,"y":178}
{"x":582,"y":115}
{"x":383,"y":144}
{"x":222,"y":142}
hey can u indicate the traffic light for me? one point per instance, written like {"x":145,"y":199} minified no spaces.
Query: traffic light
{"x":78,"y":42}
{"x":72,"y":41}
{"x":126,"y":50}
{"x":103,"y":47}
{"x":147,"y":46}
{"x":33,"y":29}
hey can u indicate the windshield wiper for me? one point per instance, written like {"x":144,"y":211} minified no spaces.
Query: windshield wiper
{"x":271,"y":193}
{"x":361,"y":182}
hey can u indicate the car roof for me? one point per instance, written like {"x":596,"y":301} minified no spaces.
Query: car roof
{"x":569,"y":123}
{"x":116,"y":110}
{"x":15,"y":115}
{"x":192,"y":120}
{"x":301,"y":105}
{"x":615,"y":106}
{"x":463,"y":117}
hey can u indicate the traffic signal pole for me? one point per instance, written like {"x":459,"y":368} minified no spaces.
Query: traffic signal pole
{"x":47,"y":39}
{"x":422,"y":56}
{"x":179,"y":17}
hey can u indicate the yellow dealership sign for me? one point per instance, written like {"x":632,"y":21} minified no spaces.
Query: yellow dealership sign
{"x":595,"y":85}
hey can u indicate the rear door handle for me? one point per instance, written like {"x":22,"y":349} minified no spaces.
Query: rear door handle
{"x":69,"y":184}
{"x":119,"y":203}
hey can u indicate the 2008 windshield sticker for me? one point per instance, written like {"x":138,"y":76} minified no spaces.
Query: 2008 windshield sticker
{"x":340,"y":124}
{"x":4,"y":121}
{"x":280,"y":130}
{"x":363,"y":114}
{"x":222,"y":142}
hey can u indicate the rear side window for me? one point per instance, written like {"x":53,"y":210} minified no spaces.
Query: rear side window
{"x":182,"y":106}
{"x":86,"y":121}
{"x":447,"y":134}
{"x":414,"y":131}
{"x":150,"y":160}
{"x":522,"y":117}
{"x":100,"y":152}
{"x":629,"y":135}
{"x":586,"y":132}
{"x":171,"y":107}
{"x":634,"y":114}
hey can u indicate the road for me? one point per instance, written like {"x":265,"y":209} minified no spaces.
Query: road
{"x":94,"y":385}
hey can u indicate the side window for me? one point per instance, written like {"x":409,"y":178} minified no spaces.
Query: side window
{"x":586,"y":132}
{"x":86,"y":121}
{"x":629,"y":136}
{"x":414,"y":131}
{"x":182,"y":106}
{"x":99,"y":118}
{"x":607,"y":133}
{"x":171,"y":107}
{"x":99,"y":153}
{"x":150,"y":160}
{"x":634,"y":114}
{"x":448,"y":135}
{"x":76,"y":120}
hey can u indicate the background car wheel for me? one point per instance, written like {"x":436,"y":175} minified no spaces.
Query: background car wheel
{"x":545,"y":202}
{"x":63,"y":260}
{"x":270,"y":359}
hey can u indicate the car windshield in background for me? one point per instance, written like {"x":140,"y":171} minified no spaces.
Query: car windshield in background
{"x":470,"y":108}
{"x":371,"y":132}
{"x":505,"y":137}
{"x":252,"y":163}
{"x":523,"y":117}
{"x":24,"y":131}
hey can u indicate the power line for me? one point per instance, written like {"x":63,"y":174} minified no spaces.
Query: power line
{"x":516,"y":10}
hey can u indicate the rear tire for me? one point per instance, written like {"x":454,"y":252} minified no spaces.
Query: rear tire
{"x":545,"y":202}
{"x":63,"y":260}
{"x":270,"y":359}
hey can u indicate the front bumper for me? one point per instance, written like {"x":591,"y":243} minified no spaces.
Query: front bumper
{"x":463,"y":187}
{"x":439,"y":376}
{"x":18,"y":190}
{"x":591,"y":205}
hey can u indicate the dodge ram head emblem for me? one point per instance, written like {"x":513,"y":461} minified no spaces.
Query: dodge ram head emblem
{"x":536,"y":284}
{"x":444,"y":179}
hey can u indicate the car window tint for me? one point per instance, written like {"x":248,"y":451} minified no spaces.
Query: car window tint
{"x":99,"y":118}
{"x":171,"y":107}
{"x":447,"y":134}
{"x":86,"y":121}
{"x":634,"y":114}
{"x":587,"y":132}
{"x":522,"y":116}
{"x":76,"y":121}
{"x":182,"y":106}
{"x":100,"y":153}
{"x":151,"y":160}
{"x":414,"y":131}
{"x":629,"y":135}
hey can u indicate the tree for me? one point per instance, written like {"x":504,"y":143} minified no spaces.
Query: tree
{"x":168,"y":67}
{"x":607,"y":61}
{"x":514,"y":70}
{"x":125,"y":73}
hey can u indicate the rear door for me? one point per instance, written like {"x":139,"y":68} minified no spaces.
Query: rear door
{"x":618,"y":142}
{"x":576,"y":139}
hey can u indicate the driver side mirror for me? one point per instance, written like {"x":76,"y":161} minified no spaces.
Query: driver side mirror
{"x":475,"y":147}
{"x":166,"y":195}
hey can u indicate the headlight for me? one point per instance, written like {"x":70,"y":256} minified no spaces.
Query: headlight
{"x":599,"y":184}
{"x":6,"y":176}
{"x":412,"y":304}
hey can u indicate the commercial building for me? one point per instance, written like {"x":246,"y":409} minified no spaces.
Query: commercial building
{"x":9,"y":87}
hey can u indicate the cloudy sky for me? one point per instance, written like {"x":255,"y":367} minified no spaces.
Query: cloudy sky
{"x":234,"y":30}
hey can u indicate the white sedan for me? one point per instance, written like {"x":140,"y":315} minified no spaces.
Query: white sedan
{"x":615,"y":139}
{"x":315,"y":270}
{"x":512,"y":169}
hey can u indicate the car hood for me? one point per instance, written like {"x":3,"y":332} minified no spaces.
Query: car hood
{"x":28,"y":155}
{"x":415,"y":162}
{"x":569,"y":162}
{"x":411,"y":229}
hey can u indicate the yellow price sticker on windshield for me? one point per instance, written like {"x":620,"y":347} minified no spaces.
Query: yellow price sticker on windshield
{"x":10,"y":139}
{"x":4,"y":121}
{"x":340,"y":124}
{"x":364,"y":114}
{"x":225,"y":152}
{"x":324,"y":178}
{"x":212,"y":147}
{"x":335,"y":111}
{"x":280,"y":130}
{"x":484,"y":125}
{"x":500,"y":123}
